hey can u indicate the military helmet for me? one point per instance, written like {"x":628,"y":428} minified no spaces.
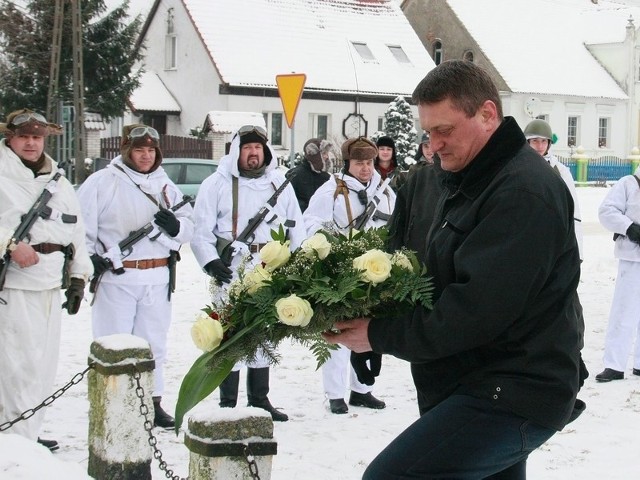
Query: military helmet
{"x":538,"y":129}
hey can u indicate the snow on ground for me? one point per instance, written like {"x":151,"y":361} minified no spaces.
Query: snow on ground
{"x":316,"y":444}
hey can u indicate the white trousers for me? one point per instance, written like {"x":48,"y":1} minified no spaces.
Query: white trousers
{"x":624,"y":318}
{"x":29,"y":348}
{"x":334,"y":375}
{"x":140,"y":310}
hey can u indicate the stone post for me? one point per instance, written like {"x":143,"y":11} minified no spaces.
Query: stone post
{"x":118,"y":442}
{"x":582,"y":166}
{"x":634,"y":159}
{"x":222,"y":442}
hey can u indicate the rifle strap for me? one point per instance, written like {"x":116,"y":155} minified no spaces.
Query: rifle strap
{"x":234,"y":211}
{"x":343,"y":189}
{"x":148,"y":195}
{"x":637,"y":180}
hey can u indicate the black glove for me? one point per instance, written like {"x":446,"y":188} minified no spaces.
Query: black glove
{"x":74,"y":294}
{"x":100,"y":264}
{"x":366,"y":373}
{"x":218,"y":270}
{"x":167,"y":220}
{"x":633,"y":233}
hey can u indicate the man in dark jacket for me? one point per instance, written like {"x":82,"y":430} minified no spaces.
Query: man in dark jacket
{"x":496,"y":361}
{"x":314,"y":170}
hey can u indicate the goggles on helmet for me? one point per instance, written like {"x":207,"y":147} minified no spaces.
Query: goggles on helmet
{"x":140,"y":132}
{"x":245,"y":129}
{"x":23,"y":118}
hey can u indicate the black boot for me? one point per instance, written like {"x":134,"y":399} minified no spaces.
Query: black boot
{"x":229,"y":390}
{"x":50,"y":444}
{"x":257,"y":390}
{"x":161,"y":418}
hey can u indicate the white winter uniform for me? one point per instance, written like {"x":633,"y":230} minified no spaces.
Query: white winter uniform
{"x":619,"y":209}
{"x":30,"y":311}
{"x":213,"y":212}
{"x":135,"y":302}
{"x":317,"y":215}
{"x":566,"y":176}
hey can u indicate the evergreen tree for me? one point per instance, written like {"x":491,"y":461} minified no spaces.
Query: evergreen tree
{"x":109,"y":53}
{"x":399,"y":125}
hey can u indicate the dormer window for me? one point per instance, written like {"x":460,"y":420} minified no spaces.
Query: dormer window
{"x":363,"y":50}
{"x":399,"y":54}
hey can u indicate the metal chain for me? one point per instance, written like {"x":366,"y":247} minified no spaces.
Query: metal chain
{"x":148,"y":426}
{"x":77,"y":378}
{"x":251,"y":462}
{"x":153,"y":441}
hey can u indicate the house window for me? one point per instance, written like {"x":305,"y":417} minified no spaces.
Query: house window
{"x":438,"y":54}
{"x":468,"y":56}
{"x":320,"y":126}
{"x":275,"y":127}
{"x":603,"y":132}
{"x":159,"y":122}
{"x":573,"y":131}
{"x":399,"y":54}
{"x":381,"y":124}
{"x":363,"y":50}
{"x":170,"y":44}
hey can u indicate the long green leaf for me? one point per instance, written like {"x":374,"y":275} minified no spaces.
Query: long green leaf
{"x":201,"y":379}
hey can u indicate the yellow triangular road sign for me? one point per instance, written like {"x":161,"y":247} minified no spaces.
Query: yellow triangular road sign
{"x":290,"y":87}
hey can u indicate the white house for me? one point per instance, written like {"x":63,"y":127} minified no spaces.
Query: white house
{"x":574,"y":63}
{"x":224,"y":55}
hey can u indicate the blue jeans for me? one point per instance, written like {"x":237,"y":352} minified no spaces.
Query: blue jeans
{"x":462,"y":438}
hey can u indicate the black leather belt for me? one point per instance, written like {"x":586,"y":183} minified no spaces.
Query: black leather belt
{"x":47,"y":248}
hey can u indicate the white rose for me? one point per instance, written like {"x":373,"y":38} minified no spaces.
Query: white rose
{"x":206,"y":332}
{"x":294,"y":311}
{"x":402,"y":261}
{"x":275,"y":254}
{"x":316,"y":244}
{"x":256,"y":278}
{"x":375,"y":266}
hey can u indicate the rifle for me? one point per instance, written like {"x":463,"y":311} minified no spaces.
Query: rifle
{"x":228,"y":248}
{"x":124,"y":248}
{"x":38,"y":210}
{"x":371,"y":207}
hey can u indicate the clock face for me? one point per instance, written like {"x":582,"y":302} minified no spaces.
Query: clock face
{"x":532,"y":107}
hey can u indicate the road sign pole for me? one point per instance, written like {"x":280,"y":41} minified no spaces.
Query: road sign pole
{"x":292,"y":153}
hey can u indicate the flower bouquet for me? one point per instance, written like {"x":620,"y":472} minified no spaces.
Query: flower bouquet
{"x":298,"y":295}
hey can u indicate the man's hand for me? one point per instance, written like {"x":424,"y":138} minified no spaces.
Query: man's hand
{"x":366,"y":373}
{"x":353,"y":334}
{"x":633,"y":233}
{"x":74,"y":294}
{"x":218,"y":270}
{"x":100,"y":264}
{"x":167,"y":221}
{"x":24,"y":255}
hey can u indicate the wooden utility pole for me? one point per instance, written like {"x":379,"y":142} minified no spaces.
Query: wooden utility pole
{"x":52,"y":113}
{"x":78,"y":91}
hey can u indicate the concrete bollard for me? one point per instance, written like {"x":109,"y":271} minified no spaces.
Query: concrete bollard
{"x":217,"y":440}
{"x":118,"y":442}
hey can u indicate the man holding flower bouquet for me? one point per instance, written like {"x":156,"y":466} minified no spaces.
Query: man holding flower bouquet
{"x":228,"y":201}
{"x":349,"y":193}
{"x":496,"y":362}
